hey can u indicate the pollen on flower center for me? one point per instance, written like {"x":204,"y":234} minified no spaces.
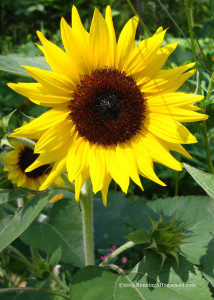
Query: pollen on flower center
{"x":26,"y":158}
{"x":107,"y":107}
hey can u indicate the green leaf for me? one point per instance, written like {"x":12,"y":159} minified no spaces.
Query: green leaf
{"x":11,"y":195}
{"x":91,"y":283}
{"x":197,"y":211}
{"x":106,"y":219}
{"x":13,"y":63}
{"x":62,"y":227}
{"x":145,"y":281}
{"x":56,"y":256}
{"x":205,"y":180}
{"x":6,"y":119}
{"x":139,"y":236}
{"x":208,"y":263}
{"x":13,"y":226}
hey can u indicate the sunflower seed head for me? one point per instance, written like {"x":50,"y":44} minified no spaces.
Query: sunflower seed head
{"x":166,"y":238}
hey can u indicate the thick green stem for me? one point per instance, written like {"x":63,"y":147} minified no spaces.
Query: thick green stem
{"x":209,"y":160}
{"x":21,"y":257}
{"x":31,"y":289}
{"x":25,"y":141}
{"x":172,"y":19}
{"x":140,"y":20}
{"x":190,"y":29}
{"x":59,"y":281}
{"x":86,"y":201}
{"x":117,"y":252}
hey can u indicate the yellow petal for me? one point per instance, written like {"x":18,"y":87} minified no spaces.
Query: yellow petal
{"x":77,"y":159}
{"x":78,"y":27}
{"x":79,"y":181}
{"x":58,"y":168}
{"x":35,"y":128}
{"x":40,"y":95}
{"x":58,"y":60}
{"x":126,"y":42}
{"x":104,"y":190}
{"x":167,"y":78}
{"x":117,"y":169}
{"x":112,"y":38}
{"x":143,"y":54}
{"x":172,"y":99}
{"x":55,"y":82}
{"x":98,"y":40}
{"x":158,"y":152}
{"x":181,"y":115}
{"x":167,"y":128}
{"x":97,"y":167}
{"x":77,"y":47}
{"x":155,"y":64}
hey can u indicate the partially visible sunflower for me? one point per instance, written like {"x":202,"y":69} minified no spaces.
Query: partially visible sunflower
{"x":113,"y":110}
{"x":18,"y":160}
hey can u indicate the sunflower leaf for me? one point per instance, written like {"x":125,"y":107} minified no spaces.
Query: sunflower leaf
{"x":12,"y":64}
{"x":205,"y":180}
{"x":61,"y":227}
{"x":12,"y":226}
{"x":146,"y":281}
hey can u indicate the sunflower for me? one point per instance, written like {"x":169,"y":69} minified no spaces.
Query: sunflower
{"x":113,"y":110}
{"x":18,"y":160}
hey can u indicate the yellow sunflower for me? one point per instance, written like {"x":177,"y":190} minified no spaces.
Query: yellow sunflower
{"x":18,"y":160}
{"x":113,"y":110}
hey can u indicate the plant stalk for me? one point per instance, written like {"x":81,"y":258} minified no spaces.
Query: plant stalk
{"x":29,"y":143}
{"x":209,"y":160}
{"x":31,"y":289}
{"x":86,"y":201}
{"x":140,"y":19}
{"x":190,"y":30}
{"x":117,"y":252}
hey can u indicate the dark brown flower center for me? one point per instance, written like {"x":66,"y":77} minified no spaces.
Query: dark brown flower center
{"x":26,"y":158}
{"x":107,"y":107}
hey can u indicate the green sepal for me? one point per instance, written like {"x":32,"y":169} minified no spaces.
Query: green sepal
{"x":138,"y":237}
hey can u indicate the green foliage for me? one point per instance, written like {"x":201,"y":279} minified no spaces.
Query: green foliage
{"x":13,"y":64}
{"x":61,"y":227}
{"x":14,"y":224}
{"x":145,"y":281}
{"x":205,"y":180}
{"x":42,"y":244}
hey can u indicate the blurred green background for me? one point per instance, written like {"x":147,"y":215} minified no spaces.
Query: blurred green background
{"x":20,"y":19}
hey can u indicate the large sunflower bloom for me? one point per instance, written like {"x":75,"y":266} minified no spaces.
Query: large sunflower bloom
{"x":113,"y":110}
{"x":18,"y":159}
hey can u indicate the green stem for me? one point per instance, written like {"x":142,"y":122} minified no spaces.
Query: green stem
{"x":209,"y":160}
{"x":210,"y":86}
{"x":59,"y":281}
{"x":20,"y":255}
{"x":25,"y":141}
{"x":190,"y":29}
{"x":177,"y":178}
{"x":117,"y":252}
{"x":86,"y":201}
{"x":176,"y":25}
{"x":31,"y":289}
{"x":140,"y":19}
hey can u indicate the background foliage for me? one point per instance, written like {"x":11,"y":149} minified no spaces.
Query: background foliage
{"x":33,"y":255}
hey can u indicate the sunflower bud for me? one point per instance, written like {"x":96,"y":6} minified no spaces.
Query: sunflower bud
{"x":163,"y":238}
{"x":166,"y":238}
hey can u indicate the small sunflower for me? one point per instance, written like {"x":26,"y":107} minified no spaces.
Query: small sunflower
{"x":113,"y":110}
{"x":18,"y":160}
